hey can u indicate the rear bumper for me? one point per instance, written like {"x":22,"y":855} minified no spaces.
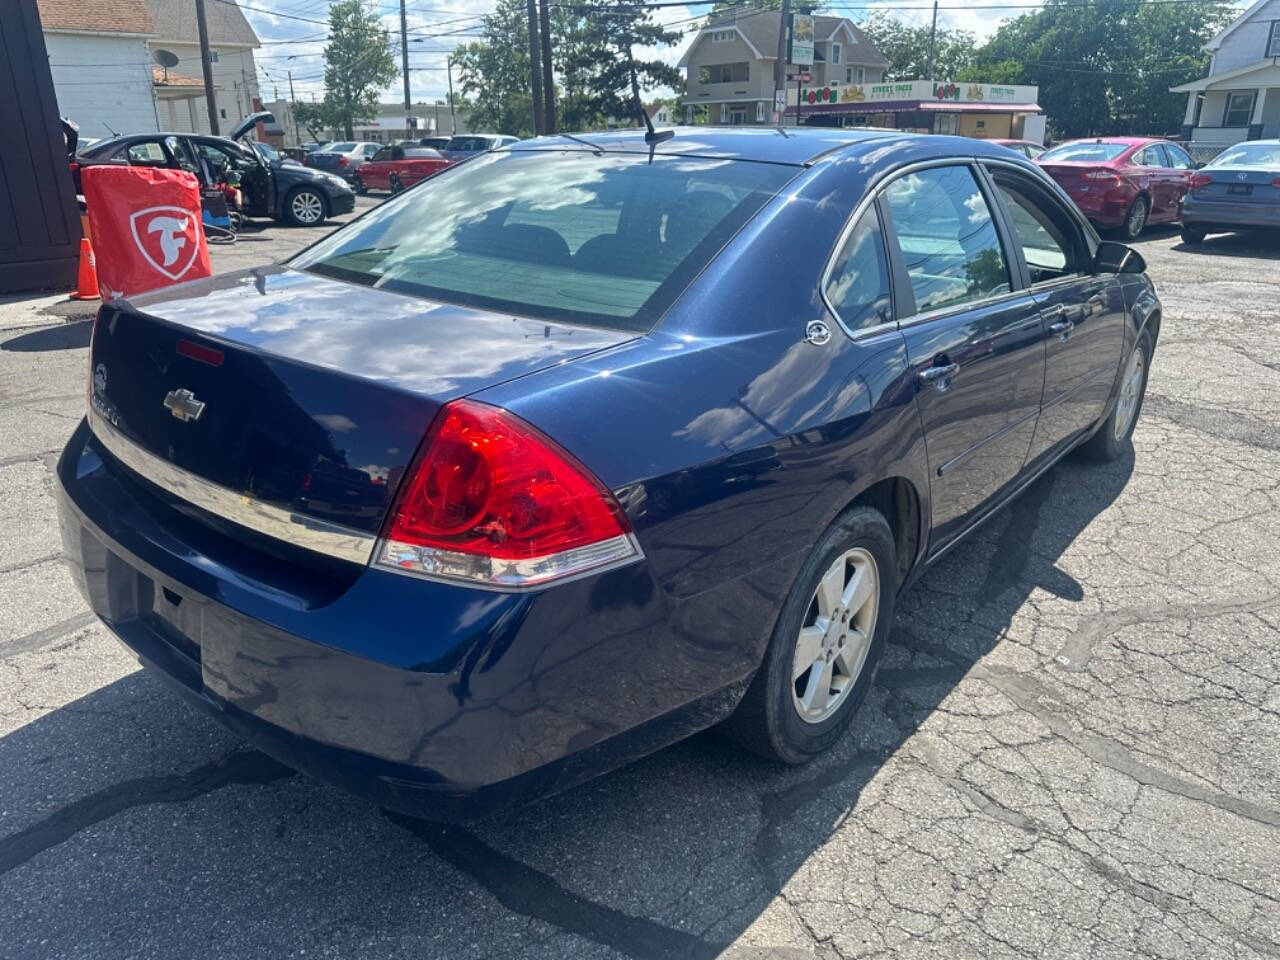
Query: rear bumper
{"x":435,"y":700}
{"x":1106,"y":208}
{"x":1228,"y":215}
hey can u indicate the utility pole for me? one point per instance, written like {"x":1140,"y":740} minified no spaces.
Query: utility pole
{"x":548,"y":82}
{"x":933,"y":37}
{"x":404,"y":68}
{"x":453,"y":120}
{"x":297,"y":135}
{"x":206,"y":66}
{"x":535,"y":69}
{"x":780,"y":64}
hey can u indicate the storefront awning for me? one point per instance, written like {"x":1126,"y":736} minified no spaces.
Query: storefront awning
{"x":945,"y":107}
{"x":904,"y":106}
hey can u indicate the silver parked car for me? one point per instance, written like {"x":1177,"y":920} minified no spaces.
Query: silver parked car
{"x":1239,"y":189}
{"x":343,"y":158}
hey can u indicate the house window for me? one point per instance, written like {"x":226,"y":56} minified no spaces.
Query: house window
{"x":760,"y":111}
{"x":722,"y":36}
{"x":1273,"y":40}
{"x":724,"y":113}
{"x":835,"y":53}
{"x":1239,"y":109}
{"x":724,"y":73}
{"x":862,"y":74}
{"x":848,"y":74}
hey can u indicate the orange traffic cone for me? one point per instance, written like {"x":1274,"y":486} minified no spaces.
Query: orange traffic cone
{"x":87,"y":281}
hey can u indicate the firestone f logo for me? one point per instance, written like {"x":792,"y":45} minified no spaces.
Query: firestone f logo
{"x":167,"y":237}
{"x":171,"y":232}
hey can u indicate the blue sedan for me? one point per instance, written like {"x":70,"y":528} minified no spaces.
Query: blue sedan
{"x":588,"y":444}
{"x":1238,"y":190}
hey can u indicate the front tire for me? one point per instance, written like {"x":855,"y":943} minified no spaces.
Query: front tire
{"x":826,"y":643}
{"x":304,"y":207}
{"x":1113,"y":439}
{"x":1135,"y":221}
{"x":396,"y":185}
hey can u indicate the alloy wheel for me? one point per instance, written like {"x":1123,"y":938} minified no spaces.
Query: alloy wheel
{"x":1130,"y":392}
{"x":836,"y":635}
{"x":307,"y":207}
{"x":1137,"y":219}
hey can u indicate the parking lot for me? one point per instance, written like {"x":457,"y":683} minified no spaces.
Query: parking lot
{"x":1072,"y":748}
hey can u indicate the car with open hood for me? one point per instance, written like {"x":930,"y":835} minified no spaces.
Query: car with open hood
{"x":590,"y":443}
{"x":270,"y":184}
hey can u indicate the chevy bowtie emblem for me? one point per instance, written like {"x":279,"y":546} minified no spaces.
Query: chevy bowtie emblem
{"x":183,"y":405}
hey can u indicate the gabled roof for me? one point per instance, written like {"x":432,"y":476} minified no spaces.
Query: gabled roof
{"x":1268,"y":75}
{"x":759,"y":30}
{"x":1239,"y":21}
{"x":175,"y":22}
{"x":96,"y":16}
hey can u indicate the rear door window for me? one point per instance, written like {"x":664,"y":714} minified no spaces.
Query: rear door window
{"x":948,"y":238}
{"x":608,"y":239}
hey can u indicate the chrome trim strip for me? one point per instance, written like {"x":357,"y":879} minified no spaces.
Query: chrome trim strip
{"x":1079,"y":385}
{"x":1003,"y":431}
{"x":309,"y":533}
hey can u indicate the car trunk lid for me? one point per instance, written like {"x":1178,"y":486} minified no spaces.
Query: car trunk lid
{"x":276,"y":393}
{"x":1240,"y":184}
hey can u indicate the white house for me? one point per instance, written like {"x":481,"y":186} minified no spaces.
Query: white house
{"x":1240,"y":98}
{"x":100,"y":64}
{"x":181,"y":105}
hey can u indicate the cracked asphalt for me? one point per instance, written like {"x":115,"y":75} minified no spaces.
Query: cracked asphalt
{"x":1072,"y":748}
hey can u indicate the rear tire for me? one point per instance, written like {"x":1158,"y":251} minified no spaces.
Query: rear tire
{"x":1114,"y":438}
{"x":791,"y":714}
{"x":396,"y":185}
{"x":357,"y":183}
{"x":1192,"y":236}
{"x":1135,"y":221}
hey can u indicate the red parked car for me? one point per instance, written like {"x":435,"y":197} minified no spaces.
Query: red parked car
{"x":1125,"y":182}
{"x":396,"y":168}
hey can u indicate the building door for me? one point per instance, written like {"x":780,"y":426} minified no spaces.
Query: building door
{"x":39,"y":220}
{"x":737,"y":116}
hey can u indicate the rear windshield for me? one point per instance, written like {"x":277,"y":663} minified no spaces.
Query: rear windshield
{"x":1084,"y":152}
{"x":340,"y":148}
{"x":1265,"y":156}
{"x":604,"y":239}
{"x":468,"y":143}
{"x":420,"y":152}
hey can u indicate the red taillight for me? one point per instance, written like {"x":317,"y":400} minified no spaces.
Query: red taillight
{"x":1199,"y":180}
{"x":1100,"y":173}
{"x":343,"y":161}
{"x":493,"y":501}
{"x":1276,"y":183}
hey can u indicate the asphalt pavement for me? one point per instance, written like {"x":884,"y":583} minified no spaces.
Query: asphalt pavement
{"x":1072,"y":748}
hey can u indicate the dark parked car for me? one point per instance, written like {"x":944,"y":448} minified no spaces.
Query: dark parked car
{"x":577,"y":449}
{"x":1238,"y":190}
{"x":465,"y":146}
{"x":271,"y":185}
{"x":435,"y":143}
{"x":344,"y":159}
{"x":1122,"y":182}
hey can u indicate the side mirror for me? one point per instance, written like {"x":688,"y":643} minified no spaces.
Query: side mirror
{"x":1115,"y":257}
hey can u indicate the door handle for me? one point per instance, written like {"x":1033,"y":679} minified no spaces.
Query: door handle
{"x":1061,"y":329}
{"x":939,"y":376}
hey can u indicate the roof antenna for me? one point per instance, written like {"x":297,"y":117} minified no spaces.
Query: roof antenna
{"x":653,"y":136}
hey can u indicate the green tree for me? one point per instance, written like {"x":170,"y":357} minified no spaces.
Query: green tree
{"x":494,"y":72}
{"x":358,"y":65}
{"x":906,"y":47}
{"x":608,"y":59}
{"x":1105,"y":68}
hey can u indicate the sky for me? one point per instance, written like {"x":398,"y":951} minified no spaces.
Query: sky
{"x":292,"y":35}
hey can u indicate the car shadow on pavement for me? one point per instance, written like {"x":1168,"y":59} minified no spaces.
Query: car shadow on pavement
{"x":673,"y":856}
{"x":1254,"y":245}
{"x":66,"y":336}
